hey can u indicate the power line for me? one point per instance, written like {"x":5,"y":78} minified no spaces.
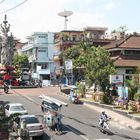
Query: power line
{"x":2,"y":1}
{"x":13,"y":7}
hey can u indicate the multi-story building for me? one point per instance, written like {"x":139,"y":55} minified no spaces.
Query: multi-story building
{"x":126,"y":54}
{"x":68,"y":38}
{"x":40,"y":50}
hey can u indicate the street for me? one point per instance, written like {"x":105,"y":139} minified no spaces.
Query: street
{"x":79,"y":121}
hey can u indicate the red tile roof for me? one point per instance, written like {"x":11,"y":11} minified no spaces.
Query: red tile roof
{"x":131,"y":42}
{"x":120,"y":62}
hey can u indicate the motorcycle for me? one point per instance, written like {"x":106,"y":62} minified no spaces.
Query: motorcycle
{"x":104,"y":126}
{"x":6,"y":88}
{"x":74,"y":99}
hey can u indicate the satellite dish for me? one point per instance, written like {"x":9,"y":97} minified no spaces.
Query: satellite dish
{"x":65,"y":14}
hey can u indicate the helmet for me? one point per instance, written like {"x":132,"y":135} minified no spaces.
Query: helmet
{"x":103,"y":111}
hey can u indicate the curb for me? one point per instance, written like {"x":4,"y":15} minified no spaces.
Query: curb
{"x":125,"y":114}
{"x":52,"y":85}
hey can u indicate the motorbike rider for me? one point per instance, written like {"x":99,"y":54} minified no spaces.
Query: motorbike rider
{"x":103,"y":118}
{"x":6,"y":79}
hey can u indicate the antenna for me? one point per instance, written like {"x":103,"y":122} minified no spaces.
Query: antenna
{"x":65,"y":14}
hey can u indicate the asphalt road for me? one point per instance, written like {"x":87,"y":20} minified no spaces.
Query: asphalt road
{"x":79,"y":122}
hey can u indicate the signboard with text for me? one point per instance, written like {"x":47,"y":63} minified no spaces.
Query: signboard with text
{"x":68,"y":64}
{"x":116,"y":79}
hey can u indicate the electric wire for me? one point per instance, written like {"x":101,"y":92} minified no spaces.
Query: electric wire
{"x":2,"y":1}
{"x":13,"y":7}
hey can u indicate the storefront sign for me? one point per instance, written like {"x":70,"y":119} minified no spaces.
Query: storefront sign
{"x":116,"y":79}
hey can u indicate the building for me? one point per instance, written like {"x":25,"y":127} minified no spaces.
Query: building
{"x":68,"y":38}
{"x":40,"y":50}
{"x":126,"y":54}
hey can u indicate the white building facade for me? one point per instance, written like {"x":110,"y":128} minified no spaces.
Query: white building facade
{"x":40,"y":50}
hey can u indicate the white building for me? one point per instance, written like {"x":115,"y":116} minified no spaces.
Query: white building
{"x":40,"y":49}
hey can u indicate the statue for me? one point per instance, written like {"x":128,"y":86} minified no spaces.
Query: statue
{"x":7,"y":44}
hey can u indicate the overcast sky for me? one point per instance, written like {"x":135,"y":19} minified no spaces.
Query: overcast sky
{"x":42,"y":15}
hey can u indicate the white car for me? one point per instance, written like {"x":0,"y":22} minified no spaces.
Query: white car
{"x":13,"y":108}
{"x":33,"y":125}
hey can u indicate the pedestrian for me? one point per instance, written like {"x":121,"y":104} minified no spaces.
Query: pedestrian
{"x":58,"y":123}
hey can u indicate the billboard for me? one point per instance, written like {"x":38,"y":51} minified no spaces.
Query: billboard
{"x":116,"y":79}
{"x":68,"y":64}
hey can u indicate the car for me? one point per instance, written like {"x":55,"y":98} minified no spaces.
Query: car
{"x":13,"y":108}
{"x":33,"y":125}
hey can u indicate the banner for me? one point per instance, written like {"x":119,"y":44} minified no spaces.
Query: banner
{"x":116,"y":79}
{"x":68,"y":64}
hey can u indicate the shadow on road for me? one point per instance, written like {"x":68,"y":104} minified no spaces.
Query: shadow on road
{"x":67,"y":128}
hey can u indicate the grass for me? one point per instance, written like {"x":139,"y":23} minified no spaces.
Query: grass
{"x":87,"y":99}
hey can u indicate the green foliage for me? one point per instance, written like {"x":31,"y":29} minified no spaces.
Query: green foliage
{"x":136,"y":96}
{"x":20,"y":61}
{"x":105,"y":99}
{"x":132,"y":106}
{"x":81,"y":89}
{"x":99,"y":66}
{"x":133,"y":86}
{"x":95,"y":61}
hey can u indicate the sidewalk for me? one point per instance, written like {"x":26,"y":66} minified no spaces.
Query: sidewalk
{"x":124,"y":120}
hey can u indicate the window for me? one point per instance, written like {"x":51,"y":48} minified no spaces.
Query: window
{"x":132,"y":52}
{"x":44,"y":66}
{"x":42,"y":36}
{"x":45,"y":76}
{"x":74,"y":38}
{"x":42,"y":50}
{"x":128,"y":77}
{"x":130,"y":71}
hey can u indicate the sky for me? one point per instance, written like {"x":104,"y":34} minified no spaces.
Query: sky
{"x":42,"y":15}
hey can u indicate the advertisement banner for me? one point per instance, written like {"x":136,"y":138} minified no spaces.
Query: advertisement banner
{"x":68,"y":64}
{"x":116,"y":79}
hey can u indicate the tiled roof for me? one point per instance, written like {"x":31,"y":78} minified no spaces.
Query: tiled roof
{"x":131,"y":42}
{"x":120,"y":62}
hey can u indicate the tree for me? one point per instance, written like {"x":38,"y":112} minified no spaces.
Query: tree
{"x":133,"y":84}
{"x":99,"y":66}
{"x":20,"y":61}
{"x":78,"y":55}
{"x":96,"y":62}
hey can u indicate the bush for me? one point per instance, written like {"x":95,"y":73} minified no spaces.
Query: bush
{"x":105,"y":99}
{"x":81,"y":89}
{"x":132,"y":106}
{"x":136,"y":96}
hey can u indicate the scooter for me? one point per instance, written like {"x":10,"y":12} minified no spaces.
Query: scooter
{"x":74,"y":99}
{"x":6,"y":88}
{"x":104,"y":128}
